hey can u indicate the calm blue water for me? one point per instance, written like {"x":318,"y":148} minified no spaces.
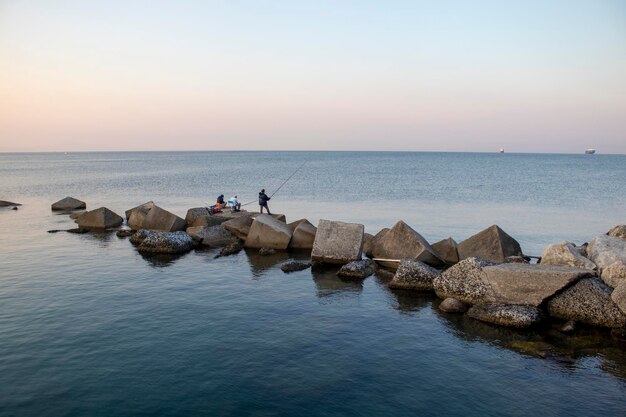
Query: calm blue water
{"x":89,"y":327}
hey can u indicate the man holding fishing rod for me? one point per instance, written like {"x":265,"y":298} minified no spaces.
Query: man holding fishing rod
{"x":263,"y":199}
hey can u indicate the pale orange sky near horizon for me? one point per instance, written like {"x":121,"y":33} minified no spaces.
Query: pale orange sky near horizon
{"x":296,"y":76}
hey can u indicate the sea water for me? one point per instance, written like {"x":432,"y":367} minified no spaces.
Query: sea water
{"x":90,"y":327}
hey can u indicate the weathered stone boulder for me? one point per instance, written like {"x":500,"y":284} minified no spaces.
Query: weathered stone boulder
{"x":618,"y":296}
{"x":303,"y":236}
{"x":144,"y":208}
{"x":401,"y":241}
{"x":69,"y":203}
{"x":618,"y":231}
{"x":293,"y":266}
{"x":588,"y":301}
{"x":605,"y":250}
{"x":267,"y":251}
{"x":525,"y":284}
{"x":491,"y":244}
{"x":367,"y":243}
{"x":162,"y":220}
{"x":447,"y":250}
{"x":614,"y":274}
{"x":136,"y":215}
{"x":167,"y":242}
{"x":464,"y":282}
{"x":212,"y":236}
{"x":452,"y":305}
{"x":368,"y":247}
{"x":230,"y":249}
{"x":194,"y":214}
{"x":565,"y":254}
{"x":4,"y":203}
{"x":337,"y":242}
{"x":140,"y":235}
{"x":357,"y":269}
{"x":268,"y":232}
{"x":124,"y":233}
{"x":506,"y":315}
{"x":414,"y":275}
{"x":101,"y":218}
{"x":239,"y":226}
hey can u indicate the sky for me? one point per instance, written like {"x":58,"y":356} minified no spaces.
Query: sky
{"x":526,"y":76}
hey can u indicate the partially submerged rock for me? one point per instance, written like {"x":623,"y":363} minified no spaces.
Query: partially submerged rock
{"x":614,"y":274}
{"x":293,"y":266}
{"x":124,"y":233}
{"x":337,"y":242}
{"x":167,"y":242}
{"x":4,"y":203}
{"x":358,"y":269}
{"x":162,"y":220}
{"x":414,"y":275}
{"x":447,"y":250}
{"x":588,"y":301}
{"x":491,"y":244}
{"x":618,"y":231}
{"x":303,"y":236}
{"x":69,"y":203}
{"x":100,"y":218}
{"x":267,"y":251}
{"x":212,"y":236}
{"x":565,"y":254}
{"x":452,"y":305}
{"x":506,"y":315}
{"x":464,"y":282}
{"x":268,"y":232}
{"x":140,"y":235}
{"x":524,"y":284}
{"x":231,"y":249}
{"x":605,"y":250}
{"x":401,"y":241}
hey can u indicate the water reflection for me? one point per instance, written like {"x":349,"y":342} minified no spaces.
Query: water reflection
{"x":102,"y":237}
{"x":161,"y":260}
{"x":261,"y":263}
{"x":545,"y":342}
{"x":329,"y":284}
{"x":411,"y":301}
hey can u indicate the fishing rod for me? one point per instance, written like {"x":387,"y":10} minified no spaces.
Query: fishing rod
{"x":281,"y":185}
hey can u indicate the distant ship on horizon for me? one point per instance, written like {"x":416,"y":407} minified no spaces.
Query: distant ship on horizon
{"x":501,"y":150}
{"x":590,"y":151}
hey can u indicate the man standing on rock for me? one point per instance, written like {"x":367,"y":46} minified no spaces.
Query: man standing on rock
{"x":263,"y":199}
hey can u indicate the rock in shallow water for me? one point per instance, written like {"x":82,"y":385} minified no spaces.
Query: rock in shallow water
{"x":414,"y":275}
{"x":231,"y":249}
{"x":588,"y":301}
{"x":506,"y":315}
{"x":492,"y":244}
{"x":293,"y":266}
{"x":358,"y":269}
{"x":167,"y":242}
{"x":452,"y":305}
{"x":464,"y":282}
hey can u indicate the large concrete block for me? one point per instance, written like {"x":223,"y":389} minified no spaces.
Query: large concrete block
{"x":337,"y":242}
{"x":162,"y":220}
{"x":303,"y":236}
{"x":401,"y":241}
{"x":69,"y":203}
{"x":239,"y":226}
{"x":447,"y":249}
{"x":101,"y":218}
{"x":268,"y":232}
{"x":491,"y":244}
{"x":525,"y":284}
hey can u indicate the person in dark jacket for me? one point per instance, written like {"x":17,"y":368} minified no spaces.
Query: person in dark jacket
{"x":220,"y":201}
{"x":263,"y":199}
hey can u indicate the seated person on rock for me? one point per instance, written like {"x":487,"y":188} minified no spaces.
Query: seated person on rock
{"x":220,"y":201}
{"x":234,"y":203}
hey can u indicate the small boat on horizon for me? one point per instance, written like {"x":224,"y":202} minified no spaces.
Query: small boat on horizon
{"x":501,"y":150}
{"x":590,"y":151}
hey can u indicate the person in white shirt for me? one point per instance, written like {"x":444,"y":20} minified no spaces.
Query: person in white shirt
{"x":234,"y":203}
